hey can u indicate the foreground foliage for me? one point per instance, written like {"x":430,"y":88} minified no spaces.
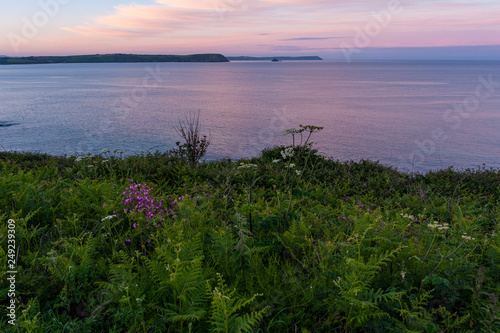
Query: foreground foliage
{"x":289,"y":241}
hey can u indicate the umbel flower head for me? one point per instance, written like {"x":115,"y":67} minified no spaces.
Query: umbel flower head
{"x":288,"y":152}
{"x":438,"y":226}
{"x":247,"y":166}
{"x":292,"y":131}
{"x":468,"y":238}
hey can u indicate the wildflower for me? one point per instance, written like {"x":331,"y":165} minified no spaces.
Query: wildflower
{"x":108,"y":218}
{"x":468,"y":238}
{"x":128,"y":240}
{"x":403,"y":273}
{"x":90,"y":166}
{"x":276,"y":161}
{"x":288,"y":152}
{"x":433,"y":225}
{"x":247,"y":166}
{"x":444,"y":226}
{"x":105,"y":150}
{"x":290,"y":131}
{"x":440,"y":227}
{"x":291,"y":165}
{"x":406,"y":216}
{"x":298,"y":172}
{"x":79,"y":158}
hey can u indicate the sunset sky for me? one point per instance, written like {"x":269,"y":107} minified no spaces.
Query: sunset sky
{"x":363,"y":29}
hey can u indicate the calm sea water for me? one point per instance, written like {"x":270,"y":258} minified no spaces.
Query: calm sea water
{"x":411,"y":115}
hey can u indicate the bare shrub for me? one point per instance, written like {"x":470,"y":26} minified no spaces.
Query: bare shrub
{"x":195,"y":144}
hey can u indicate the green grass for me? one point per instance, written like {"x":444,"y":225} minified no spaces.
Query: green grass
{"x":335,"y":247}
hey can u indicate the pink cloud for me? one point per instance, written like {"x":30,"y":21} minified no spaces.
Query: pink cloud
{"x":229,"y":25}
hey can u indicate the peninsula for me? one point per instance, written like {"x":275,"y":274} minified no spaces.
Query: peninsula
{"x":245,"y":58}
{"x":108,"y":58}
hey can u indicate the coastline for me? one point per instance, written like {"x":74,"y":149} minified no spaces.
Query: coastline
{"x":112,"y":58}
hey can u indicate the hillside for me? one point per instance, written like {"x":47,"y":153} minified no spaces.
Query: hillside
{"x":117,"y":57}
{"x":289,"y":241}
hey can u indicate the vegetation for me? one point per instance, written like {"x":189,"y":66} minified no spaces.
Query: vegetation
{"x":195,"y":144}
{"x":289,"y":241}
{"x":117,"y":57}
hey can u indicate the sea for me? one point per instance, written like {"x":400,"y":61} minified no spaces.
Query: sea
{"x":415,"y":116}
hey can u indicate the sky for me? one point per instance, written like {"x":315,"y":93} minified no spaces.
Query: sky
{"x":332,"y":29}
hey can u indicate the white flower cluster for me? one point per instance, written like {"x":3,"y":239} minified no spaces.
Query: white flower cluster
{"x":247,"y":166}
{"x":288,"y":152}
{"x":439,"y":226}
{"x":108,"y":218}
{"x":406,"y":216}
{"x":83,"y":157}
{"x":467,"y":238}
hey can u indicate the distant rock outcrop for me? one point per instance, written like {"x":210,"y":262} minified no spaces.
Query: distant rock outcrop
{"x":245,"y":58}
{"x":7,"y":124}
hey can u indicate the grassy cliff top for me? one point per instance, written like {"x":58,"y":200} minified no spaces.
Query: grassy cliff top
{"x":286,"y":241}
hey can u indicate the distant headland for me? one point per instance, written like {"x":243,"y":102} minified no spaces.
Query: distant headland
{"x":243,"y":58}
{"x":109,"y":58}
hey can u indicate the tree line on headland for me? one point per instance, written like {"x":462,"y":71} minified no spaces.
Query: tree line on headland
{"x":117,"y":57}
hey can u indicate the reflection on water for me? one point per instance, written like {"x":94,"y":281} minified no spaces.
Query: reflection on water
{"x":386,"y":111}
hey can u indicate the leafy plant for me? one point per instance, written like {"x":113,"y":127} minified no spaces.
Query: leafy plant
{"x":224,"y":310}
